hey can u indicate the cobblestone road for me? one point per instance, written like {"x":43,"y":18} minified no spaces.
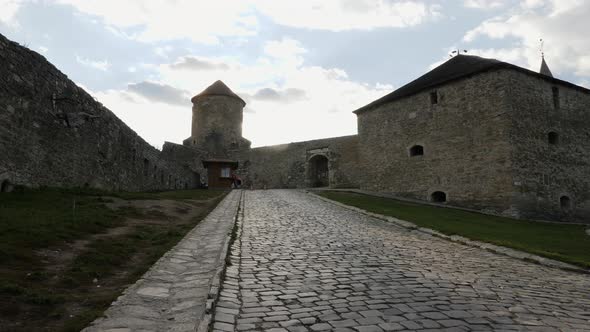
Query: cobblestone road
{"x":302,"y":264}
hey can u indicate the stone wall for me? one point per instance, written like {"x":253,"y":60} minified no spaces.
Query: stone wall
{"x":545,"y":171}
{"x":217,"y":125}
{"x":286,"y":166}
{"x":464,"y":138}
{"x":53,"y":133}
{"x":190,"y":157}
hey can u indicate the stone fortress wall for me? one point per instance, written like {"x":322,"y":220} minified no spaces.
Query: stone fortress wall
{"x":463,"y":136}
{"x":550,"y":140}
{"x":53,"y":133}
{"x":474,"y":132}
{"x":485,"y":145}
{"x":288,"y":165}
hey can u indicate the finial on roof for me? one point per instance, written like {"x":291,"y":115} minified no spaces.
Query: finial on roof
{"x":457,"y":52}
{"x":544,"y":68}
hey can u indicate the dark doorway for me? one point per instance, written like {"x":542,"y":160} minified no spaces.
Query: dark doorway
{"x":566,"y":203}
{"x":438,"y":197}
{"x":319,"y":173}
{"x":553,"y":138}
{"x":6,"y":186}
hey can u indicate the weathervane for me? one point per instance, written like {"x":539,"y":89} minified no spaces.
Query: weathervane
{"x":457,"y":52}
{"x":541,"y":47}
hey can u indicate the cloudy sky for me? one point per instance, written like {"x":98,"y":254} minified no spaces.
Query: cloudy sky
{"x":302,"y":66}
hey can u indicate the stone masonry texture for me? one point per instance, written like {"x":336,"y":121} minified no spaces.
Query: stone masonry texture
{"x":217,"y":125}
{"x":465,"y":140}
{"x":303,"y":264}
{"x":287,"y":165}
{"x":53,"y":133}
{"x":504,"y":141}
{"x":543,"y":172}
{"x":485,"y":145}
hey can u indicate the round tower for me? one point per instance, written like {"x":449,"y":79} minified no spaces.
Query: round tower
{"x":217,"y":120}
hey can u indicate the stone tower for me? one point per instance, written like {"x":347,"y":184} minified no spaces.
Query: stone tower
{"x":217,"y":121}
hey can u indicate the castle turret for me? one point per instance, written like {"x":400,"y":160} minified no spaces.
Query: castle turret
{"x":217,"y":120}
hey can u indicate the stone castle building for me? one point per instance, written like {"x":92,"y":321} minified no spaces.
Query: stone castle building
{"x":473,"y":132}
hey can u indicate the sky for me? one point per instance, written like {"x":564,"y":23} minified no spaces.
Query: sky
{"x":302,"y":66}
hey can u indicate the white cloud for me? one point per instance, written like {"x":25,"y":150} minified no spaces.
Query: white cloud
{"x":286,"y":51}
{"x":196,"y":63}
{"x":484,"y":4}
{"x":8,"y":10}
{"x":301,"y":102}
{"x":287,"y":95}
{"x":341,"y":15}
{"x":561,"y":24}
{"x":200,"y":21}
{"x":100,"y":64}
{"x":154,"y":122}
{"x":207,"y":21}
{"x":284,"y":48}
{"x":160,"y":93}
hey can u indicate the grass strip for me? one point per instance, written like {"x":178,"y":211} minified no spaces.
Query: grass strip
{"x":563,"y":242}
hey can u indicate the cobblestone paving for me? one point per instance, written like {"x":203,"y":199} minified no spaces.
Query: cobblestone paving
{"x":302,"y":264}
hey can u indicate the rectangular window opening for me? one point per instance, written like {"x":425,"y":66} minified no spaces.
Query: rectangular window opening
{"x":225,"y":172}
{"x":434,"y":98}
{"x":555,"y":97}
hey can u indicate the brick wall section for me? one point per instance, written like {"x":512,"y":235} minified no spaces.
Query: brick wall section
{"x":53,"y":133}
{"x":544,"y":172}
{"x":286,"y":166}
{"x":465,"y":139}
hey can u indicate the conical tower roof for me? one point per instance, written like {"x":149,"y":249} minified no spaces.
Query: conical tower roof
{"x":217,"y":89}
{"x":544,"y":68}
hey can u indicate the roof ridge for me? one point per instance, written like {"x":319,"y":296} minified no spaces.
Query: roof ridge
{"x":457,"y":67}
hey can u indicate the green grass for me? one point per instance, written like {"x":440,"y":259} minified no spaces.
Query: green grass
{"x":196,"y":194}
{"x":567,"y":243}
{"x":193,"y":194}
{"x":33,"y":220}
{"x":38,"y":219}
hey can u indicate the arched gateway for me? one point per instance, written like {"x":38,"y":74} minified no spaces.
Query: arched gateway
{"x":318,"y":171}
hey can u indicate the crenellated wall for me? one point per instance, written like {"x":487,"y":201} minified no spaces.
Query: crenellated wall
{"x":53,"y":133}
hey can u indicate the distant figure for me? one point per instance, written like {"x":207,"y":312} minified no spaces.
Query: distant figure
{"x":236,"y":182}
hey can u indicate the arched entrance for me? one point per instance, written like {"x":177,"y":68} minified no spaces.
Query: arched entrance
{"x":5,"y":186}
{"x":319,"y":173}
{"x":566,"y":203}
{"x":438,"y":197}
